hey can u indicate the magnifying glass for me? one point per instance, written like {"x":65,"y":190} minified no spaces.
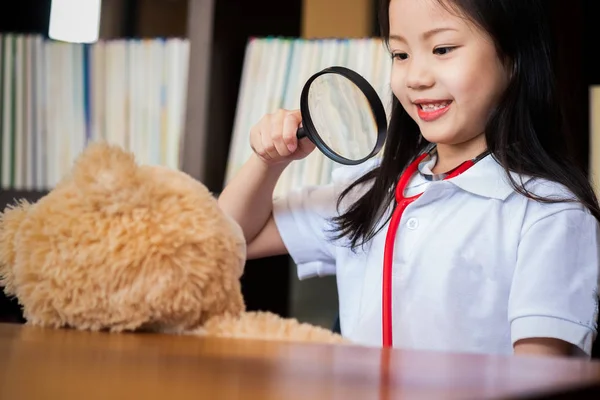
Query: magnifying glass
{"x":342,"y":115}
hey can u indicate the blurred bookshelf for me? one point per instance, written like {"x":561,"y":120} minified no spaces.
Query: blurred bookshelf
{"x":212,"y":38}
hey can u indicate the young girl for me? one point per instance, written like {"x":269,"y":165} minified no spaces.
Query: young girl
{"x":502,"y":258}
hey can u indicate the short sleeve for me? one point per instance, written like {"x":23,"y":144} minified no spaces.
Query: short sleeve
{"x":303,"y":220}
{"x":554,"y":292}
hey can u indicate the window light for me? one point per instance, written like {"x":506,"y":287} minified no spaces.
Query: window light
{"x":76,"y":21}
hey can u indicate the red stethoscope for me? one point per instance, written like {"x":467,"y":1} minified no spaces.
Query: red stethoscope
{"x":401,"y":204}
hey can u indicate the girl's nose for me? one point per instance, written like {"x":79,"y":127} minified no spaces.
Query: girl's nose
{"x":418,"y":76}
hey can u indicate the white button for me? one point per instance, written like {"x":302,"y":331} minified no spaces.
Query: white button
{"x":412,"y":223}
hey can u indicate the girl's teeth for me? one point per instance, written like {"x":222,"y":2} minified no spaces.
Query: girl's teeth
{"x":433,"y":107}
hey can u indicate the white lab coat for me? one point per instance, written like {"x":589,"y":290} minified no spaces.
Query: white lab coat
{"x":477,"y":266}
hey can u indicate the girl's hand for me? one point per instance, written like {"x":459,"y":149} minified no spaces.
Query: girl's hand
{"x":274,"y":140}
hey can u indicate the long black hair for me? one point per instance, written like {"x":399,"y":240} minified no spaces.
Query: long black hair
{"x":526,"y":132}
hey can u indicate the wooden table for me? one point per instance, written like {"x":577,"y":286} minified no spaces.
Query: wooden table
{"x":40,"y":363}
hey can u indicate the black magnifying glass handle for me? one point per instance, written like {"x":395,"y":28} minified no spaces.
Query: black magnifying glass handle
{"x":341,"y":81}
{"x":301,"y":133}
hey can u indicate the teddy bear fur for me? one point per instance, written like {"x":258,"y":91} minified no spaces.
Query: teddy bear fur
{"x":119,"y":246}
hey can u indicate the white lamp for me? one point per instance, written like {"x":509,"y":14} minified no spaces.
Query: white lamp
{"x":76,"y":21}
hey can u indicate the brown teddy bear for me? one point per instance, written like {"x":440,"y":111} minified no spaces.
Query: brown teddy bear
{"x":121,"y":247}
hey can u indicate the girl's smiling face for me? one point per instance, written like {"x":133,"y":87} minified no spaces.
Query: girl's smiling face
{"x":446,"y":73}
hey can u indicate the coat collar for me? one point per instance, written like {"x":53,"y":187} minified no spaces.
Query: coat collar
{"x":487,"y":178}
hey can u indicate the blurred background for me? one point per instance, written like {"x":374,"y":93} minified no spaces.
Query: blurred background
{"x":179,"y":82}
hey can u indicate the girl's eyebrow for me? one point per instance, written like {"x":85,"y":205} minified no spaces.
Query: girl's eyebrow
{"x":425,"y":35}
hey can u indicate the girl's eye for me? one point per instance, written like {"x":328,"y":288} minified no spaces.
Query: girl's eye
{"x":399,"y":56}
{"x":443,"y":50}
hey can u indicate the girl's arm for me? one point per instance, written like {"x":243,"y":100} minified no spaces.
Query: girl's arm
{"x":248,"y":197}
{"x":543,"y":347}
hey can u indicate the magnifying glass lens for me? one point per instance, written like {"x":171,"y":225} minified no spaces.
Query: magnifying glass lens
{"x":342,"y":115}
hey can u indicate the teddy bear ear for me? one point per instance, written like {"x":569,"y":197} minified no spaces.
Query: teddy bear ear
{"x":10,"y":221}
{"x":105,"y":168}
{"x":108,"y":175}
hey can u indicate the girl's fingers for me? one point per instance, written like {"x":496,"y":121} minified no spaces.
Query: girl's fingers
{"x":290,"y":128}
{"x":276,"y":134}
{"x":274,"y":138}
{"x":268,"y":145}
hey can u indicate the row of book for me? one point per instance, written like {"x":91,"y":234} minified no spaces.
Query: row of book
{"x":58,"y":97}
{"x":274,"y":73}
